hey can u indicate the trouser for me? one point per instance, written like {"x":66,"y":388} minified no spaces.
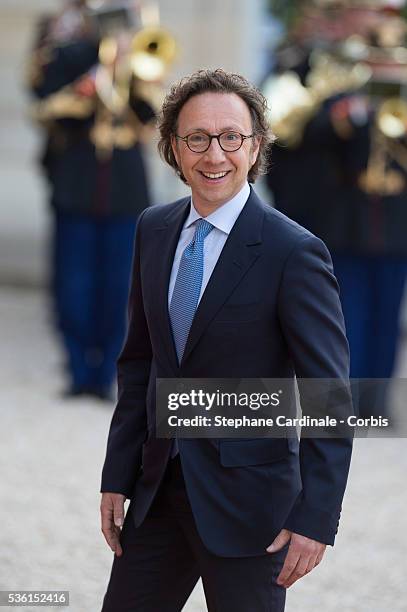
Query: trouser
{"x":371,"y":292}
{"x":92,"y":272}
{"x":163,"y":559}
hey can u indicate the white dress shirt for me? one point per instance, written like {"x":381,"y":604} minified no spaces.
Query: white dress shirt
{"x":223,"y":219}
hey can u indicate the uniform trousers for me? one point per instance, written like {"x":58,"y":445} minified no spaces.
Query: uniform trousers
{"x":91,"y":284}
{"x":164,"y":557}
{"x":371,"y":293}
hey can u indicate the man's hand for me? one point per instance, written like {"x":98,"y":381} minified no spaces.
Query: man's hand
{"x":112,"y":515}
{"x":303,"y":555}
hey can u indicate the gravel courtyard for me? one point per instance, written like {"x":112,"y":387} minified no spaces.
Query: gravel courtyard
{"x":51,"y":453}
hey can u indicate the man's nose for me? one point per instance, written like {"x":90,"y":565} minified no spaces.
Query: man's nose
{"x":215,"y":153}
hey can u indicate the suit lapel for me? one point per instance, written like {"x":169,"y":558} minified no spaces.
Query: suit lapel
{"x":167,"y":236}
{"x":241,"y":250}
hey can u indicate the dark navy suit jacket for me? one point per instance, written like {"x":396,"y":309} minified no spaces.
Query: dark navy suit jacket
{"x":270,"y":309}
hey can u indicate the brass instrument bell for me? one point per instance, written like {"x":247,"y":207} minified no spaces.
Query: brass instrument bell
{"x":391,"y":118}
{"x":152,"y":51}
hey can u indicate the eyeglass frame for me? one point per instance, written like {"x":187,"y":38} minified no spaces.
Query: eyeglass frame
{"x":217,"y":136}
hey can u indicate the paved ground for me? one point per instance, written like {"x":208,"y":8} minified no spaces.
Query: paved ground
{"x":51,"y":453}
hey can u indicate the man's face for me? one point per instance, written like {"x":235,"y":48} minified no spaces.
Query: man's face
{"x":214,"y":113}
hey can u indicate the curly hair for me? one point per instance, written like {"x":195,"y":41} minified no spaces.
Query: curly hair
{"x":217,"y":81}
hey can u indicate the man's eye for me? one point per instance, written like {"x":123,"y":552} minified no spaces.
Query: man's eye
{"x":197,"y":138}
{"x":231,"y":136}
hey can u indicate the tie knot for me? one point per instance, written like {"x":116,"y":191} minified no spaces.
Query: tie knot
{"x":203,"y":228}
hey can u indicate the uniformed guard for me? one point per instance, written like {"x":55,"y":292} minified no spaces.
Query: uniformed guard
{"x":338,"y":107}
{"x":97,"y":88}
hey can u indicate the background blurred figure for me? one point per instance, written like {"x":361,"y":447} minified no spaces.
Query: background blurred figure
{"x":96,"y":112}
{"x":337,"y":106}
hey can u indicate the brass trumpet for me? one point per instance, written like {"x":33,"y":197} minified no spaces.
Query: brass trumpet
{"x":151,"y":52}
{"x":139,"y":72}
{"x":130,"y":66}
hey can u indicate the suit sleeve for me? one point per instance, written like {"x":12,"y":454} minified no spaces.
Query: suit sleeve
{"x":128,"y":428}
{"x":312,"y":322}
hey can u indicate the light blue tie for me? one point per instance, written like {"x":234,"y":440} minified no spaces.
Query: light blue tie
{"x":187,"y":286}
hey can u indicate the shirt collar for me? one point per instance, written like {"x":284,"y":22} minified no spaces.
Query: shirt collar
{"x":224,"y":217}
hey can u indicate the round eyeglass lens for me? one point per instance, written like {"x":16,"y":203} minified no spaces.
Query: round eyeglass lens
{"x":198,"y":142}
{"x":230,"y":141}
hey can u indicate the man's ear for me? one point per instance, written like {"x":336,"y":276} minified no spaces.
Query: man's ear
{"x":174,"y":146}
{"x":255,"y":149}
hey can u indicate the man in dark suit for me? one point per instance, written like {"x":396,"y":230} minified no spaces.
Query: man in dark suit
{"x":223,"y":287}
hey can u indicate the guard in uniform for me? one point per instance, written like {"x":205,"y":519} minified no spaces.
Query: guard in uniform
{"x":96,"y":118}
{"x":340,"y":169}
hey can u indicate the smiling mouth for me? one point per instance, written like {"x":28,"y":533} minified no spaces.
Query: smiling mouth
{"x":214,"y":175}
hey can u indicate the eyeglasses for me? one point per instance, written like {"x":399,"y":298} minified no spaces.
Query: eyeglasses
{"x":199,"y":142}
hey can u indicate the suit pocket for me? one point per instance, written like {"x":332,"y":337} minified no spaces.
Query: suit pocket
{"x":240,"y":453}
